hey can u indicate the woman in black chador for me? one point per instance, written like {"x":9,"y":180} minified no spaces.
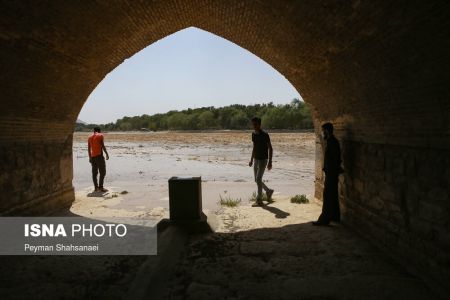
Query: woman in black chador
{"x":332,"y":169}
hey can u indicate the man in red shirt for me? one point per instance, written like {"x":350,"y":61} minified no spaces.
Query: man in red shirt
{"x":95,"y":151}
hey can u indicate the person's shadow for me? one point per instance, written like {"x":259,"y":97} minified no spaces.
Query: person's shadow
{"x":279,"y":214}
{"x":97,"y":194}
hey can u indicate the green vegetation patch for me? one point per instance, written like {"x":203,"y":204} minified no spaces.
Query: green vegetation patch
{"x":229,"y":201}
{"x":300,"y":199}
{"x":264,"y":198}
{"x":294,"y":115}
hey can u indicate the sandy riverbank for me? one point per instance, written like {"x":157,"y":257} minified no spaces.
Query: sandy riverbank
{"x":142,"y":162}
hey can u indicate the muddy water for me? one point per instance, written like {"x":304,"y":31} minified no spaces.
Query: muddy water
{"x":141,"y":164}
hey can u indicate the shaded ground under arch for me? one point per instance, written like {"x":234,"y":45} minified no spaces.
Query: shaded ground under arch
{"x":379,"y":71}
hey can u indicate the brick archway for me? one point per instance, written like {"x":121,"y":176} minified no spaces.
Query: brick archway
{"x":379,"y":71}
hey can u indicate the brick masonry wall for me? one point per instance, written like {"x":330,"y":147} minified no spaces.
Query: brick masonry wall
{"x":399,"y":196}
{"x":35,"y":177}
{"x":379,"y":70}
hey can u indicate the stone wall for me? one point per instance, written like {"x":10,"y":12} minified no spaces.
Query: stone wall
{"x":399,"y":197}
{"x":36,"y":177}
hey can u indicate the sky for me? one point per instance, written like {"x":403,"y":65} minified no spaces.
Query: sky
{"x":189,"y":69}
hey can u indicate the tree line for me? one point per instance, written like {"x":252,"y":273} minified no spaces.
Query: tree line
{"x":295,"y":115}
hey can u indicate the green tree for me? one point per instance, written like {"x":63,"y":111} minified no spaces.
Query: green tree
{"x":296,"y":103}
{"x":178,"y":121}
{"x":239,"y":120}
{"x":274,"y":118}
{"x":295,"y":115}
{"x":125,"y":126}
{"x":206,"y":120}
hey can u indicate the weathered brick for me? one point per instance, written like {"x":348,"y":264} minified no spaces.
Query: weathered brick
{"x":382,"y":78}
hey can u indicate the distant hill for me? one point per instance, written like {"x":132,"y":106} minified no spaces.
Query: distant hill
{"x":81,"y":122}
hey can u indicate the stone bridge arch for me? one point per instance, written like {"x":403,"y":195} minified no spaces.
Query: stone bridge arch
{"x":377,"y":70}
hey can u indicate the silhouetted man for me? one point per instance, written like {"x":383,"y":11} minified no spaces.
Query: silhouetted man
{"x":332,"y":169}
{"x":261,"y":157}
{"x":96,"y":147}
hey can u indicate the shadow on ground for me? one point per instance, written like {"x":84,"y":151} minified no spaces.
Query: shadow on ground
{"x":298,"y":261}
{"x":291,"y":262}
{"x":96,"y":194}
{"x":279,"y":214}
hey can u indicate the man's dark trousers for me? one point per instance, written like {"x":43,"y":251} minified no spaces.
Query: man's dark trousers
{"x":98,"y":166}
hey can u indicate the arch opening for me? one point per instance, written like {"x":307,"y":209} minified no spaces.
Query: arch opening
{"x":216,"y":78}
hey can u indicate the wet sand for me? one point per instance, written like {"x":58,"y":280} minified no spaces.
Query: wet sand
{"x":142,"y":162}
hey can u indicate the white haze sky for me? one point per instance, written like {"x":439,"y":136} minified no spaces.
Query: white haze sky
{"x":188,"y":69}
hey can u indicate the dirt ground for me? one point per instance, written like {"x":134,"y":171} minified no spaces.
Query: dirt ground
{"x":274,"y":252}
{"x":270,"y":252}
{"x":142,"y":162}
{"x":219,"y":137}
